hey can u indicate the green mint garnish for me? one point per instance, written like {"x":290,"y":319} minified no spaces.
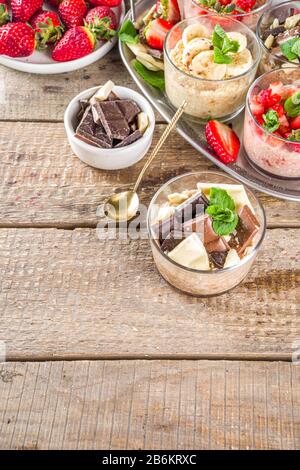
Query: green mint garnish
{"x":292,"y":105}
{"x":155,"y":79}
{"x":128,"y":33}
{"x":271,"y":121}
{"x":222,"y":45}
{"x":291,"y":48}
{"x":222,"y":211}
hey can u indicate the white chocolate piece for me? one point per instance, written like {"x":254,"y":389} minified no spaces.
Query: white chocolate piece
{"x":292,"y":21}
{"x":269,"y":41}
{"x":191,"y":253}
{"x":142,"y":122}
{"x":103,"y":93}
{"x":232,"y":259}
{"x":177,"y":198}
{"x":236,"y":191}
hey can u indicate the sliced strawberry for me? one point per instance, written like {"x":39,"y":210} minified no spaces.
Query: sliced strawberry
{"x":267,"y":98}
{"x":246,"y":5}
{"x":156,"y":31}
{"x":223,"y":140}
{"x":256,"y":106}
{"x":168,"y":10}
{"x":295,"y":123}
{"x":279,"y":109}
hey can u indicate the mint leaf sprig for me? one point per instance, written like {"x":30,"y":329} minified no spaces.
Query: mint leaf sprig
{"x":128,"y":33}
{"x":222,"y":211}
{"x":291,"y":49}
{"x":271,"y":121}
{"x":292,"y":105}
{"x":223,"y":45}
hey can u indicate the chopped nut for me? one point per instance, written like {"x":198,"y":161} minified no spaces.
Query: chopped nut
{"x":292,"y":21}
{"x":269,"y":41}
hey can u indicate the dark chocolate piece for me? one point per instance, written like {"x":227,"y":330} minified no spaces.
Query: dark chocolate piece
{"x":129,"y":139}
{"x":212,"y":241}
{"x":92,"y":133}
{"x":109,"y":115}
{"x":246,"y":229}
{"x":288,"y":34}
{"x":218,"y":258}
{"x":195,"y":225}
{"x":129,"y":109}
{"x":191,"y":208}
{"x":273,"y":31}
{"x":112,"y":97}
{"x":172,"y":240}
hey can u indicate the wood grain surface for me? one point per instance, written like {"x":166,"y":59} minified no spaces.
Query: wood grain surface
{"x":149,"y":405}
{"x":65,"y":293}
{"x":44,"y":184}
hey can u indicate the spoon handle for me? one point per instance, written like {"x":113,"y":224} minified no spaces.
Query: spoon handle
{"x":160,"y":143}
{"x":132,"y":7}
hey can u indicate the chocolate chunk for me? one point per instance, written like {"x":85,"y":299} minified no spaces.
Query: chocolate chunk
{"x":288,"y":34}
{"x":246,"y":229}
{"x":112,"y":97}
{"x":173,"y":239}
{"x":129,"y":139}
{"x":218,"y":258}
{"x":129,"y":109}
{"x":212,"y":241}
{"x":195,"y":225}
{"x":273,"y":31}
{"x":91,"y":133}
{"x":109,"y":115}
{"x":191,"y":208}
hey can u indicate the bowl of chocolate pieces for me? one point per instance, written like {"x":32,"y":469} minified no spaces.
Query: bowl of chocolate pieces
{"x":109,"y":127}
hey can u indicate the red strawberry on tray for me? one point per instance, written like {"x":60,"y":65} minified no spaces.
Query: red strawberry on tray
{"x":156,"y":31}
{"x":77,"y":42}
{"x":223,"y":140}
{"x":22,"y":10}
{"x":104,"y":22}
{"x":47,"y":26}
{"x":17,"y":40}
{"x":72,"y":12}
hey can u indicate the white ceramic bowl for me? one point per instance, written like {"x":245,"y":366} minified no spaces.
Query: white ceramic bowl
{"x":116,"y":158}
{"x":40,"y":62}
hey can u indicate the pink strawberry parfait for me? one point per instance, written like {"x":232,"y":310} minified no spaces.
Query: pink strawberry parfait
{"x":246,"y":11}
{"x":272,"y":123}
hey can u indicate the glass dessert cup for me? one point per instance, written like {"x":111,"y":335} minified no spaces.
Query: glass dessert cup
{"x":201,"y":283}
{"x":269,"y":61}
{"x":209,"y":99}
{"x":267,"y":151}
{"x":194,"y":7}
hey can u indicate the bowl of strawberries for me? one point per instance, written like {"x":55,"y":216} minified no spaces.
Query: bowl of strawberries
{"x":57,"y":36}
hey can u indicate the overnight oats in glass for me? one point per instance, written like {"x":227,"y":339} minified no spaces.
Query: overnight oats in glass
{"x":272,"y":123}
{"x":205,"y":230}
{"x":246,"y":11}
{"x":210,"y":62}
{"x":278,"y":32}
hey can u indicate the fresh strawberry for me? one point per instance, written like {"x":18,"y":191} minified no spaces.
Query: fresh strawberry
{"x":4,"y":16}
{"x":168,"y":10}
{"x":72,"y":12}
{"x":223,"y":141}
{"x":256,"y":106}
{"x":224,"y":3}
{"x":17,"y":40}
{"x":279,"y":109}
{"x":284,"y":125}
{"x":156,"y":31}
{"x":246,"y":5}
{"x":47,"y":26}
{"x":104,"y":22}
{"x":54,"y":3}
{"x":295,"y":123}
{"x":267,"y":98}
{"x":77,"y":42}
{"x":106,"y":3}
{"x":22,"y":10}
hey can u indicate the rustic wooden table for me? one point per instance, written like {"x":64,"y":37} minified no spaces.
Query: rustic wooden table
{"x":101,"y":352}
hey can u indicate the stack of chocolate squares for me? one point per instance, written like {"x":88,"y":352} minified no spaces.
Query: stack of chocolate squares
{"x":111,"y":122}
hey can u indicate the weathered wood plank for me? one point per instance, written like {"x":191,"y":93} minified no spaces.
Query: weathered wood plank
{"x":148,"y":405}
{"x":65,"y":293}
{"x":42,"y":184}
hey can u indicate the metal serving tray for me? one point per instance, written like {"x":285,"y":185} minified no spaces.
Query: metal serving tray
{"x":193,"y":133}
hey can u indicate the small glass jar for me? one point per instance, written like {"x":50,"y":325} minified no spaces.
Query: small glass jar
{"x":269,"y":61}
{"x":193,"y":281}
{"x":268,"y":151}
{"x":194,"y":7}
{"x":209,"y":99}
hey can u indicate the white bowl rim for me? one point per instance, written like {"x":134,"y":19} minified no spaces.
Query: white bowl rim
{"x":147,"y":108}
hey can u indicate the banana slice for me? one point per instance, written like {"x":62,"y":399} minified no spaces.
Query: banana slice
{"x":240,"y":38}
{"x":149,"y":62}
{"x":203,"y":64}
{"x":195,"y":31}
{"x":194,"y":47}
{"x":241,"y":62}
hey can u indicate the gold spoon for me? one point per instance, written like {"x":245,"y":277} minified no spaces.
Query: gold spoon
{"x":124,"y":206}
